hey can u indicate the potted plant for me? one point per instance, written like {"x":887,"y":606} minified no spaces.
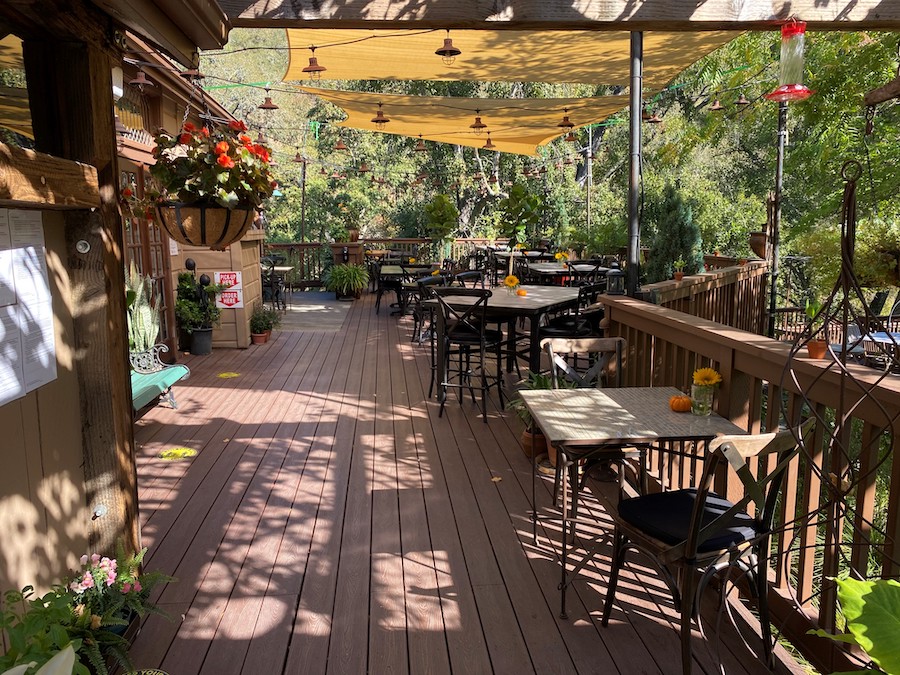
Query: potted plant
{"x":196,"y":311}
{"x":817,"y":346}
{"x":262,"y":321}
{"x":679,"y":269}
{"x":520,"y":211}
{"x":90,"y":613}
{"x":346,"y":280}
{"x":211,"y":180}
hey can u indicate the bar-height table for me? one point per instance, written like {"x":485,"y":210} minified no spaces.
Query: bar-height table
{"x":503,"y":305}
{"x":553,"y":269}
{"x":639,"y":416}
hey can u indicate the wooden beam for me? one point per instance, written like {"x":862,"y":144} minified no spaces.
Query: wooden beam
{"x":74,"y":118}
{"x":33,"y":179}
{"x":648,"y":15}
{"x":885,"y":93}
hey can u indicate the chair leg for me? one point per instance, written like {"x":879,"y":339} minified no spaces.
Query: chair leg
{"x":762,"y":599}
{"x":564,"y":581}
{"x":616,"y":564}
{"x":688,"y":606}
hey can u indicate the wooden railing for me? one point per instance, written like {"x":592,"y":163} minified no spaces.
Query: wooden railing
{"x":664,"y":348}
{"x":734,"y":296}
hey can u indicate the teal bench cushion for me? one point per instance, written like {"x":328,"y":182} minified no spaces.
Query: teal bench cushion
{"x":147,"y":387}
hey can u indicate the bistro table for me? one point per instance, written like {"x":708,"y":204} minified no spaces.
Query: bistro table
{"x":554,"y":269}
{"x":507,"y":306}
{"x":889,"y":342}
{"x":572,"y":418}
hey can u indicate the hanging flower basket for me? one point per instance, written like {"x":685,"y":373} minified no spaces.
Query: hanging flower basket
{"x":204,"y":225}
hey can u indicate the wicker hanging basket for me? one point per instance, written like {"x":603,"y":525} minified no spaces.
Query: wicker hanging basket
{"x":203,"y":225}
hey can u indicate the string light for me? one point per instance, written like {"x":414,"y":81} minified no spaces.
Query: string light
{"x":340,"y":145}
{"x":267,"y":104}
{"x":379,"y":120}
{"x":565,"y":125}
{"x":140,"y":81}
{"x":489,"y":145}
{"x":420,"y":145}
{"x":717,"y":106}
{"x":477,"y":126}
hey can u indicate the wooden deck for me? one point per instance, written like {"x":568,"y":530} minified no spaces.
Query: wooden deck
{"x":331,"y":522}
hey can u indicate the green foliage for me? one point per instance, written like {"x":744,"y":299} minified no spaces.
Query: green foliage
{"x":143,"y":313}
{"x":872,"y":612}
{"x":677,"y":238}
{"x":441,"y":218}
{"x":346,"y":279}
{"x":195,"y":305}
{"x":520,"y":213}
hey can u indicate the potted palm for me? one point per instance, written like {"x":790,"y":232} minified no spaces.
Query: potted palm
{"x":679,"y":269}
{"x":817,"y":346}
{"x":211,"y":181}
{"x":346,"y":280}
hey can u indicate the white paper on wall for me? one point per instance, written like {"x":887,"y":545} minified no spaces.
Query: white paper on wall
{"x":7,"y":278}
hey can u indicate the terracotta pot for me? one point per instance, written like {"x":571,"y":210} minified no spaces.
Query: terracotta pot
{"x":200,"y":225}
{"x":679,"y":276}
{"x":258,"y":338}
{"x":551,"y":455}
{"x":817,"y":349}
{"x":534,"y":444}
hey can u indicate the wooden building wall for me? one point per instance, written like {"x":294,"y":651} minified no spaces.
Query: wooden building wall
{"x":44,"y":519}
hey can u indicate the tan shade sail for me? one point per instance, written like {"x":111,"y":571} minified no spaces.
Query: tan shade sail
{"x":518,"y":56}
{"x":515,"y":125}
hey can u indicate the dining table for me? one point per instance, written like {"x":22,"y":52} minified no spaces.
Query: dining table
{"x":555,"y":269}
{"x":505,"y":306}
{"x":573,"y":419}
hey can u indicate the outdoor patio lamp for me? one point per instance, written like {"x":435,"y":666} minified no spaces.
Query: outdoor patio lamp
{"x":615,"y":281}
{"x":448,"y":52}
{"x":478,"y":126}
{"x":314,"y":69}
{"x":379,"y":120}
{"x":267,"y":104}
{"x":790,"y":78}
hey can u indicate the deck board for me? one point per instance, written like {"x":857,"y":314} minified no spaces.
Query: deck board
{"x":333,"y":523}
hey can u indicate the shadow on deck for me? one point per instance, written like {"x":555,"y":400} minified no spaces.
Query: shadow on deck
{"x":331,"y":522}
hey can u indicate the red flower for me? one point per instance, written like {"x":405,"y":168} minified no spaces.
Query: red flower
{"x":127,"y":192}
{"x":184,"y":139}
{"x":261,"y":152}
{"x":237,"y":125}
{"x":204,"y":132}
{"x":225,"y":161}
{"x":243,"y":138}
{"x":221,"y":147}
{"x":188,"y":126}
{"x":274,"y":184}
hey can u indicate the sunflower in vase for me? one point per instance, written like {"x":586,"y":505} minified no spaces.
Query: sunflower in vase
{"x":703,"y":390}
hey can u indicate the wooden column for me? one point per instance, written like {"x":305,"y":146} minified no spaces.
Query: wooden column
{"x":70,"y":89}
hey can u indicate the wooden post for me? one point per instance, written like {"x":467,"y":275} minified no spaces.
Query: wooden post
{"x":70,"y":89}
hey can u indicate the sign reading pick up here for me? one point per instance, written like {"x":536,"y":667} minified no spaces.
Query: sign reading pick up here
{"x":233,"y":296}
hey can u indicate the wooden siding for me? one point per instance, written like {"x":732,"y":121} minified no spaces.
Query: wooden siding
{"x":43,"y":516}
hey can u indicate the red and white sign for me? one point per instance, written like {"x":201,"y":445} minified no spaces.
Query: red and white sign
{"x":233,"y":296}
{"x":230,"y":299}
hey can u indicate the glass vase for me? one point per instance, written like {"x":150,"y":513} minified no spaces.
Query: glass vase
{"x":702,"y":398}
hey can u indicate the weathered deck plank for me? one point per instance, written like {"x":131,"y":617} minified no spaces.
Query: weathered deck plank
{"x":333,"y":523}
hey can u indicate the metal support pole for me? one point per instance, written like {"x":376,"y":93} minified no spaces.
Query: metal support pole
{"x":776,"y":218}
{"x":589,"y":177}
{"x":632,"y":271}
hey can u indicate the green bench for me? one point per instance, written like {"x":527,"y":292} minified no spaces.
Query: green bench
{"x":151,"y":378}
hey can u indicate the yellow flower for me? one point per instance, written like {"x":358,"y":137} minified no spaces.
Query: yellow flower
{"x":95,"y":622}
{"x":435,"y":273}
{"x":707,"y":376}
{"x":512,"y":281}
{"x":412,"y":260}
{"x":561,"y":256}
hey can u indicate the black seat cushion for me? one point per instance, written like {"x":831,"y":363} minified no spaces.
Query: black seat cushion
{"x":466,"y":334}
{"x":566,"y":327}
{"x":667,"y":516}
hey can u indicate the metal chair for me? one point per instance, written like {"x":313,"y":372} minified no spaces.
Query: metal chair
{"x":694,"y":531}
{"x":574,"y":324}
{"x":604,"y":370}
{"x":463,"y":334}
{"x":583,"y":273}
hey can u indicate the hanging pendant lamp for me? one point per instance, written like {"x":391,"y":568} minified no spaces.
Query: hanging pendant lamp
{"x":448,"y":52}
{"x":420,"y":145}
{"x":379,"y":120}
{"x":267,"y":104}
{"x":478,"y":126}
{"x":488,"y":145}
{"x":314,"y":70}
{"x":340,"y":145}
{"x":566,"y":124}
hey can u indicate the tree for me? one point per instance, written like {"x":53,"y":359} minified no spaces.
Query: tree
{"x":677,"y":238}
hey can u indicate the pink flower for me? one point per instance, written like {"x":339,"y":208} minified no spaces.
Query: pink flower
{"x":137,"y":586}
{"x":87,"y":581}
{"x":95,"y":558}
{"x":84,"y":559}
{"x":126,"y":587}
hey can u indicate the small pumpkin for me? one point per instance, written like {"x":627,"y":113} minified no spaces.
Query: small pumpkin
{"x":521,"y":292}
{"x":680,"y":403}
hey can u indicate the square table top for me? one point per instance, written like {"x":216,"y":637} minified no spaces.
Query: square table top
{"x":557,"y":268}
{"x":397,"y":270}
{"x":629,"y":414}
